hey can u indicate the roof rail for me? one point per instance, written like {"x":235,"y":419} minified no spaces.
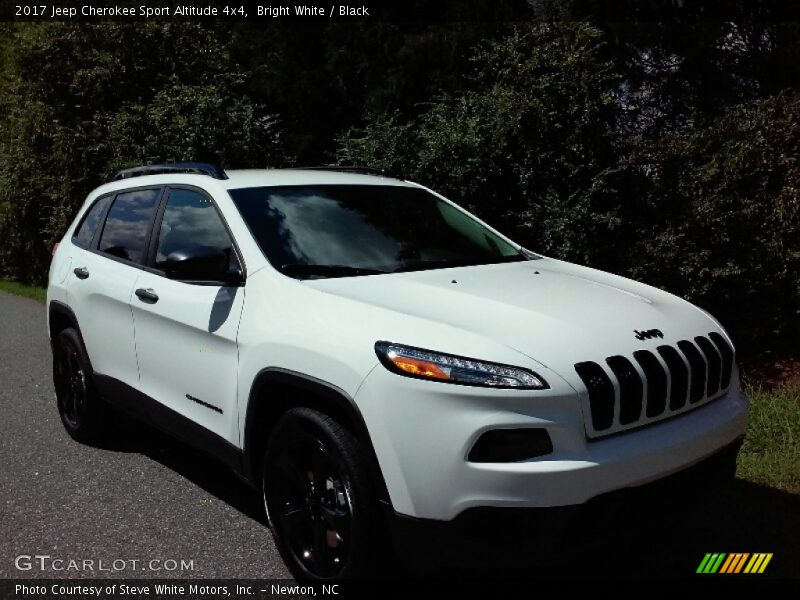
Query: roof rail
{"x":351,"y":169}
{"x":197,"y":168}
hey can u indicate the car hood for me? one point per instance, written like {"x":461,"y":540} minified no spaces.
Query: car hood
{"x":554,"y":312}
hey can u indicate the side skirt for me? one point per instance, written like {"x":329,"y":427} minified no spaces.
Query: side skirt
{"x":141,"y":406}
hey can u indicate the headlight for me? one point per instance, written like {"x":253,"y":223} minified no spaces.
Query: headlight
{"x":425,"y":364}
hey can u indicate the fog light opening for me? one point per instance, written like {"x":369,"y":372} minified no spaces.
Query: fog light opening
{"x":510,"y":445}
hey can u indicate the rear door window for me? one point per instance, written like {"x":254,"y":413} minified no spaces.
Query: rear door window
{"x":125,"y":233}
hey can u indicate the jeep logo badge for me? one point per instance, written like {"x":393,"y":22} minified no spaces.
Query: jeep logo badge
{"x":648,"y":334}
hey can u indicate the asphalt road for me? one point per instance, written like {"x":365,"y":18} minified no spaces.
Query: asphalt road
{"x":145,"y":497}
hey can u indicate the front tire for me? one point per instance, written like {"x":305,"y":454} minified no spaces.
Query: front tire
{"x":318,"y":498}
{"x":79,"y":404}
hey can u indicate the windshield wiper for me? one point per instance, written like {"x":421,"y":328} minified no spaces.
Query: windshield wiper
{"x":328,"y":270}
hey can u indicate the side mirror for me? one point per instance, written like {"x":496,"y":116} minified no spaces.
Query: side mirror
{"x":200,"y":263}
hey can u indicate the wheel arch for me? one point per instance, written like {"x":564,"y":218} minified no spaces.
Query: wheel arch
{"x":61,"y":317}
{"x":275,"y":390}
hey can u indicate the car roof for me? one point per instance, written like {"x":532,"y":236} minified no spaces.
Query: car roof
{"x":245,"y":178}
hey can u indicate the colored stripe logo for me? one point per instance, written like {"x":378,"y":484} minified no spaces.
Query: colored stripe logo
{"x":736,"y":562}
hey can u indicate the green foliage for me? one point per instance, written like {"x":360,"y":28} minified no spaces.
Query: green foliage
{"x":81,"y":102}
{"x":722,"y":224}
{"x":664,"y":152}
{"x":533,"y":145}
{"x":208,"y":122}
{"x":323,"y":76}
{"x":530,"y":146}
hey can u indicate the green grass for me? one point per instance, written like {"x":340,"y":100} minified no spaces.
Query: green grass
{"x":12,"y":287}
{"x":771,"y":452}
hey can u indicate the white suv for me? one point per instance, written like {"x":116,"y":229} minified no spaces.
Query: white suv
{"x":357,"y":346}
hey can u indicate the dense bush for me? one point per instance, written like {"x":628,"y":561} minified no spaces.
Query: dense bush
{"x":669,"y":154}
{"x":79,"y":103}
{"x":723,"y":217}
{"x":533,"y":147}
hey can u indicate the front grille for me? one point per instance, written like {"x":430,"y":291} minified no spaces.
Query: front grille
{"x":666,"y":382}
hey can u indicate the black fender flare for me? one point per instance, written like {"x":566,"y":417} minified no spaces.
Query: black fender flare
{"x":323,"y":390}
{"x":59,"y":308}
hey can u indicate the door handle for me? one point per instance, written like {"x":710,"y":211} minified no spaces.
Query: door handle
{"x":147,"y":295}
{"x":81,"y":272}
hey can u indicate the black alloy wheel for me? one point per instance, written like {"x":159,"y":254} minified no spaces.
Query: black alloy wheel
{"x":79,"y":405}
{"x":72,"y":381}
{"x":317,"y":497}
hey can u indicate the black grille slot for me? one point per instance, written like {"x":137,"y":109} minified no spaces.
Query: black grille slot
{"x":697,"y":367}
{"x":630,"y":389}
{"x":601,"y":394}
{"x":726,"y":352}
{"x":714,"y":364}
{"x":678,"y":374}
{"x":656,"y":382}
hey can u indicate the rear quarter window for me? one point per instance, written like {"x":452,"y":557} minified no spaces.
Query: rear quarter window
{"x":84,"y":234}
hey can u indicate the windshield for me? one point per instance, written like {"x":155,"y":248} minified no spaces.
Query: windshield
{"x":349,"y":230}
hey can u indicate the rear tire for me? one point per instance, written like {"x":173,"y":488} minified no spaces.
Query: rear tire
{"x":79,"y":405}
{"x":319,"y":499}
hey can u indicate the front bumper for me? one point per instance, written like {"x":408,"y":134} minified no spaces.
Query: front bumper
{"x":493,"y":538}
{"x":422,"y":433}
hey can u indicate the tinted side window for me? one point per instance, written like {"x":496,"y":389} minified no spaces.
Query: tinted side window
{"x":125,"y":231}
{"x":190,"y":220}
{"x":84,"y":234}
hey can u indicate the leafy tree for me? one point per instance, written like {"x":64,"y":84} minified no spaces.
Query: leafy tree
{"x":81,"y":102}
{"x":723,"y":224}
{"x":663,"y":146}
{"x":322,"y":77}
{"x":530,"y":145}
{"x":533,"y":145}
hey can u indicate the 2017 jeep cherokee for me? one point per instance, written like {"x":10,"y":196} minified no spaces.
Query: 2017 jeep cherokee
{"x":345,"y":340}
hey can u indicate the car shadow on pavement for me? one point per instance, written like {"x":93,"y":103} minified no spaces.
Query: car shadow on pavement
{"x":641,"y":536}
{"x":656,"y":531}
{"x":130,"y":435}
